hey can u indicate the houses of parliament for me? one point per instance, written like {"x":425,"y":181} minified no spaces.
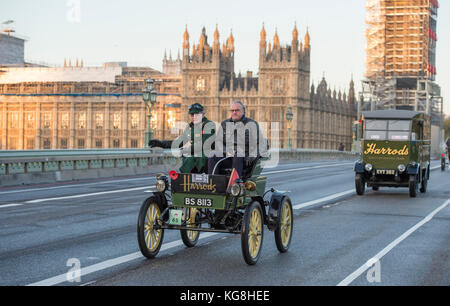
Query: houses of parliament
{"x":77,"y":107}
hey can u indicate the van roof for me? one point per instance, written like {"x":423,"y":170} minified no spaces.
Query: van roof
{"x":390,"y":114}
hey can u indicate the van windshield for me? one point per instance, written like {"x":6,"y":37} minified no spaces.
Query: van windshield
{"x":387,"y":129}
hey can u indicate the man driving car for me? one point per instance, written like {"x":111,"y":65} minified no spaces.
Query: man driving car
{"x":199,"y":130}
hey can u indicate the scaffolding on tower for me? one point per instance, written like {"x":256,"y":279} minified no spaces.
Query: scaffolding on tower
{"x":401,"y":55}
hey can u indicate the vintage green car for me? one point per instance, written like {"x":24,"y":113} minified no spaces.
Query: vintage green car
{"x":194,"y":203}
{"x":395,"y":151}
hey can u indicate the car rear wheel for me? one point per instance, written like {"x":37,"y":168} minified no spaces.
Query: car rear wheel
{"x":283,"y":232}
{"x":190,"y":238}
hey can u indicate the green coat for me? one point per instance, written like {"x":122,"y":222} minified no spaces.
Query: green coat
{"x":189,"y":136}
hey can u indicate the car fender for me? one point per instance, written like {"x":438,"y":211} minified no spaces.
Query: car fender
{"x":260,"y":200}
{"x":274,"y":209}
{"x":161,"y":196}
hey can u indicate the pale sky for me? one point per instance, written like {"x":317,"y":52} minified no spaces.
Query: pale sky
{"x":138,"y":32}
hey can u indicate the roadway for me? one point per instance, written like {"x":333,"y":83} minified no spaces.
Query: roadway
{"x":339,"y":238}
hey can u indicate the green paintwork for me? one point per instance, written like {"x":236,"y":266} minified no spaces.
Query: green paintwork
{"x":82,"y":164}
{"x":34,"y":167}
{"x":386,"y":160}
{"x":95,"y":164}
{"x":51,"y":166}
{"x":132,"y":162}
{"x":389,"y":154}
{"x":121,"y":163}
{"x":67,"y":165}
{"x":108,"y":163}
{"x":15,"y":168}
{"x":143,"y":162}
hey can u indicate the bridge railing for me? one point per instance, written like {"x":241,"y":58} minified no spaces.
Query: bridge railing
{"x":43,"y":166}
{"x":316,"y":155}
{"x":33,"y":161}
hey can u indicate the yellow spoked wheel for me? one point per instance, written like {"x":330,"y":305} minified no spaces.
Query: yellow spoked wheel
{"x":283,"y":232}
{"x":150,"y":238}
{"x":252,"y":233}
{"x":190,"y":238}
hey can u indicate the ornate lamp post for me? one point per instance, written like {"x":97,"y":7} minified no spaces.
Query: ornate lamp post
{"x":149,"y":96}
{"x":289,"y":117}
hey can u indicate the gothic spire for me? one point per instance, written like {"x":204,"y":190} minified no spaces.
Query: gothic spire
{"x":307,"y":39}
{"x":295,"y":33}
{"x":216,"y":45}
{"x":203,"y":39}
{"x":263,"y":33}
{"x":230,"y":42}
{"x":276,"y":40}
{"x":186,"y":42}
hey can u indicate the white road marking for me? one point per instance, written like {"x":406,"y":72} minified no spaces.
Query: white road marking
{"x":76,"y":185}
{"x":307,"y":168}
{"x":151,"y":190}
{"x":111,"y":263}
{"x":126,"y":258}
{"x":327,"y":198}
{"x":139,"y":179}
{"x":349,"y":279}
{"x":9,"y":205}
{"x":87,"y":195}
{"x":151,"y":177}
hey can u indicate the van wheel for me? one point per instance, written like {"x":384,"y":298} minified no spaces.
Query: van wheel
{"x":413,"y":186}
{"x":424,"y":183}
{"x":360,"y":184}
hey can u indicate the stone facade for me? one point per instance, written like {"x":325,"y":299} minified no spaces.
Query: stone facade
{"x":283,"y":81}
{"x":170,"y":66}
{"x":82,"y":115}
{"x":81,"y":108}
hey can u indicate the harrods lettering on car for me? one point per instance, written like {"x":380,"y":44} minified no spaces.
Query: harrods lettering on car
{"x":188,"y":185}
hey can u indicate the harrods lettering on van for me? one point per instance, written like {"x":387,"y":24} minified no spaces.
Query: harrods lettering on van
{"x":372,"y":149}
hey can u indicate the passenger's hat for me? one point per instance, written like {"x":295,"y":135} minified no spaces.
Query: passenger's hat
{"x":196,"y":108}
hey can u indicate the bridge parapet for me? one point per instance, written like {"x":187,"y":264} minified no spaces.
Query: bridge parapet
{"x":49,"y":166}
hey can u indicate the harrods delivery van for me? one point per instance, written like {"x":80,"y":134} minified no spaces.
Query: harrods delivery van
{"x":395,"y":151}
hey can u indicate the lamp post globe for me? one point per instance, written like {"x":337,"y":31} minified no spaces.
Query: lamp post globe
{"x":145,"y":95}
{"x":149,"y":83}
{"x":153,"y":95}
